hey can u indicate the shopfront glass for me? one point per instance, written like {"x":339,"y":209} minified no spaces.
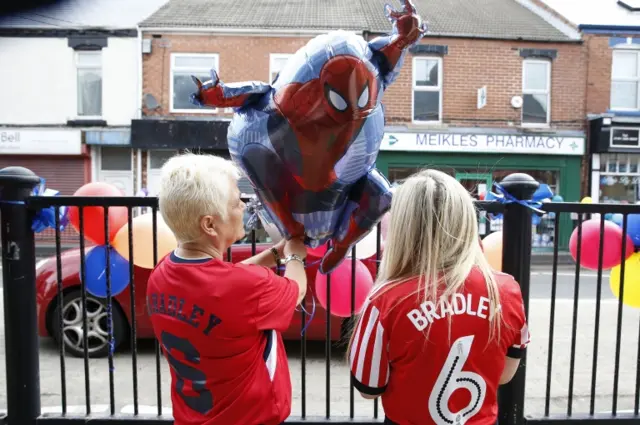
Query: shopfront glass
{"x":477,"y":181}
{"x":619,"y":178}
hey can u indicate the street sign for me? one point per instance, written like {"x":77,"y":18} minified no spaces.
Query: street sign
{"x":482,"y":97}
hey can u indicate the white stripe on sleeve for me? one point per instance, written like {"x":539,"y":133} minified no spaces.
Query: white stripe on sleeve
{"x":362,"y":352}
{"x":377,"y":356}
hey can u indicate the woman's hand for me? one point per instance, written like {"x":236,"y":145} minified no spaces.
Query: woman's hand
{"x":280,"y":247}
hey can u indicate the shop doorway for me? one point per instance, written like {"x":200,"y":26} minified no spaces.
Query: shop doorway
{"x":475,"y":183}
{"x":115,"y":166}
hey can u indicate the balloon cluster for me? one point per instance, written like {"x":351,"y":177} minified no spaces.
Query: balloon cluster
{"x":613,"y":240}
{"x":492,"y":243}
{"x":334,"y":289}
{"x":112,"y":248}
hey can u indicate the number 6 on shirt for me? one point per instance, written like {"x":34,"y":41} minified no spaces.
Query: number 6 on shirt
{"x":452,"y":378}
{"x":203,"y":402}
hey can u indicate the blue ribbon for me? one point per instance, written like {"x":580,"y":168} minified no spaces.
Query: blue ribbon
{"x":534,"y":204}
{"x":46,"y":217}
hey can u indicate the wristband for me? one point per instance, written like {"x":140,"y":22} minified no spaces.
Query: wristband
{"x":293,"y":257}
{"x":276,"y":256}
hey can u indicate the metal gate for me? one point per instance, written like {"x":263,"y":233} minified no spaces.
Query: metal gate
{"x":18,"y":208}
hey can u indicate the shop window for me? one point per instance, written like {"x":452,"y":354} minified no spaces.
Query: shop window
{"x":625,"y":80}
{"x":89,"y":83}
{"x":619,"y":178}
{"x":183,"y":66}
{"x":276,"y":63}
{"x":536,"y":82}
{"x":427,"y":90}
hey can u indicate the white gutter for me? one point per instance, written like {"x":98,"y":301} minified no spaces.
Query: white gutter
{"x":139,"y":110}
{"x":140,"y":81}
{"x":260,"y":32}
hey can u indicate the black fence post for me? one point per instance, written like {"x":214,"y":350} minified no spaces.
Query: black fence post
{"x":19,"y":289}
{"x":516,"y":261}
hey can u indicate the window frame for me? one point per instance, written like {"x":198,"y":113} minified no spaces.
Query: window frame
{"x":272,"y":58}
{"x":415,"y":88}
{"x":172,"y":68}
{"x":525,"y":91}
{"x":625,"y":79}
{"x":78,"y":67}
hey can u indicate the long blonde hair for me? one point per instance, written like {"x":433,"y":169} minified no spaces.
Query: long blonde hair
{"x":433,"y":235}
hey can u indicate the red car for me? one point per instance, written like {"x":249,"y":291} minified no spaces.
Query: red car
{"x":48,"y":316}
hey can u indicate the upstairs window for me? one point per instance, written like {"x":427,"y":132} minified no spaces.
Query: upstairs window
{"x":183,"y":66}
{"x":427,"y":90}
{"x":625,"y":80}
{"x":536,"y":87}
{"x":89,"y":76}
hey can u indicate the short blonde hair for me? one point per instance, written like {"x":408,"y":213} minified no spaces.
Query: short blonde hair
{"x":192,"y":186}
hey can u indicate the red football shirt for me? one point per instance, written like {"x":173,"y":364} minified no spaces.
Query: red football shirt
{"x":431,"y":378}
{"x":219,"y":327}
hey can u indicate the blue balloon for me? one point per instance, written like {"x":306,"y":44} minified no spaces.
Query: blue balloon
{"x":633,"y":228}
{"x":617,"y":219}
{"x":608,"y":216}
{"x":543,"y":192}
{"x":557,"y":198}
{"x":96,"y":271}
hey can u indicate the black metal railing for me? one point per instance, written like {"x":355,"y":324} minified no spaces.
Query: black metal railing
{"x":23,"y":320}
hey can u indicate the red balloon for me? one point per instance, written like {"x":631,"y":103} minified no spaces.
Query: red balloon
{"x":341,"y":288}
{"x":93,"y":217}
{"x":590,"y":245}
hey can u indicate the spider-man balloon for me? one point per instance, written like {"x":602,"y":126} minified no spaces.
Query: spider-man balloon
{"x":308,"y":142}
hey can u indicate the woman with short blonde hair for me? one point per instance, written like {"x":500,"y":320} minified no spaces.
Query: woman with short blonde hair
{"x":219,"y":323}
{"x":439,"y":319}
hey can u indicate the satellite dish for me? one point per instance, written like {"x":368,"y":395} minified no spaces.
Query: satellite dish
{"x":516,"y":102}
{"x":150,"y":102}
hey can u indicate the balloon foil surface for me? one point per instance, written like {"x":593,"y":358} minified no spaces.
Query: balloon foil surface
{"x":308,"y":142}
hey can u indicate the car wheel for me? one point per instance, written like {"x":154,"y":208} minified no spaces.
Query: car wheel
{"x":72,"y":326}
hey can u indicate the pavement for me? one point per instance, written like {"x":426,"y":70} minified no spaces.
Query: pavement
{"x":316,"y":364}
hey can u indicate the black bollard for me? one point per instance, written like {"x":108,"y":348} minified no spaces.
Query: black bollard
{"x":516,"y":261}
{"x":19,"y":288}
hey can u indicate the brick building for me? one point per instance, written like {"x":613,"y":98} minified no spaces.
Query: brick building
{"x":494,"y":87}
{"x":611,"y":33}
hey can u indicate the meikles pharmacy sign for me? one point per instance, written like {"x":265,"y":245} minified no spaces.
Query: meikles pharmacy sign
{"x":483,"y":143}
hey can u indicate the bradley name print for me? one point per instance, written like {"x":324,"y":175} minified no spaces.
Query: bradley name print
{"x":460,"y":304}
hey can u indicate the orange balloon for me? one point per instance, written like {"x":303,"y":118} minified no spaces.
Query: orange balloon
{"x":93,"y":217}
{"x":142,"y":232}
{"x":492,"y":247}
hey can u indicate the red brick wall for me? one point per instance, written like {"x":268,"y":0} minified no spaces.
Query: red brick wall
{"x":241,"y":58}
{"x":469,"y":65}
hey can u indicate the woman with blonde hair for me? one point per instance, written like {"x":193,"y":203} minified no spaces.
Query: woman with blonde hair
{"x":440,"y":330}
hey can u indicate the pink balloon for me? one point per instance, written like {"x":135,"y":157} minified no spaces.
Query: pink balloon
{"x":341,"y":288}
{"x":590,"y":245}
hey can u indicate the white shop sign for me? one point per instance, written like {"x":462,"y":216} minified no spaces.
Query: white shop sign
{"x":50,"y":141}
{"x":483,"y":143}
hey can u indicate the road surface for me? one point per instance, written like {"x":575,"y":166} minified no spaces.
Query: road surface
{"x":339,"y":378}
